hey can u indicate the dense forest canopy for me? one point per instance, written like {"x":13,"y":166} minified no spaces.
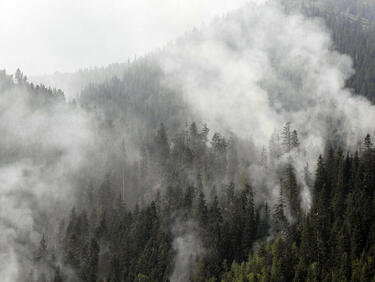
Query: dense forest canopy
{"x":237,"y":153}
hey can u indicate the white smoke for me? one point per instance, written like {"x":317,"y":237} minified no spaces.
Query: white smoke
{"x":247,"y":73}
{"x":188,"y":248}
{"x":260,"y":67}
{"x":42,"y":150}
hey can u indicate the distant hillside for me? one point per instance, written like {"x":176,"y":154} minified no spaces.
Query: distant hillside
{"x":73,"y":83}
{"x":352,"y":24}
{"x":354,"y":10}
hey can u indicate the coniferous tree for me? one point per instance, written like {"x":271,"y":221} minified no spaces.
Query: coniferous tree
{"x":286,"y":137}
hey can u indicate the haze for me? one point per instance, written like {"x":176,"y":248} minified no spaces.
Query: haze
{"x":44,"y":36}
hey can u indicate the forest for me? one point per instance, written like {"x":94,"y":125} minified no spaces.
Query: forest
{"x":333,"y":242}
{"x":351,"y":24}
{"x":136,"y":179}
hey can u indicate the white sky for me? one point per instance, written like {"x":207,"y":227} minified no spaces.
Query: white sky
{"x":44,"y":36}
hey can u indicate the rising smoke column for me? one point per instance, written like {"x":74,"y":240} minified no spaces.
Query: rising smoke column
{"x":259,"y":67}
{"x":188,"y":247}
{"x":247,"y":73}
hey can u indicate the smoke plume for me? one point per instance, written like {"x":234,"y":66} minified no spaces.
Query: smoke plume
{"x":248,"y":74}
{"x":188,"y":248}
{"x":260,"y":67}
{"x":42,"y":152}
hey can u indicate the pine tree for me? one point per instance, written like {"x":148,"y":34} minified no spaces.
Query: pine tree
{"x":291,"y":188}
{"x":320,"y":176}
{"x":201,"y":212}
{"x":94,"y":257}
{"x":280,"y":220}
{"x":286,"y":137}
{"x":161,"y":146}
{"x":19,"y":77}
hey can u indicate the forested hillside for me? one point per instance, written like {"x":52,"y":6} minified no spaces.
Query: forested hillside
{"x":138,"y":100}
{"x":128,"y":181}
{"x":226,"y":229}
{"x":352,"y":25}
{"x":40,"y":95}
{"x":335,"y":241}
{"x":194,"y":207}
{"x":73,"y":83}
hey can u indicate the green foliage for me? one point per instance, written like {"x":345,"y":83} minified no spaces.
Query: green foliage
{"x":326,"y":247}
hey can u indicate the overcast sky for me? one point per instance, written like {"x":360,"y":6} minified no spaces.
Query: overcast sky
{"x":44,"y":36}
